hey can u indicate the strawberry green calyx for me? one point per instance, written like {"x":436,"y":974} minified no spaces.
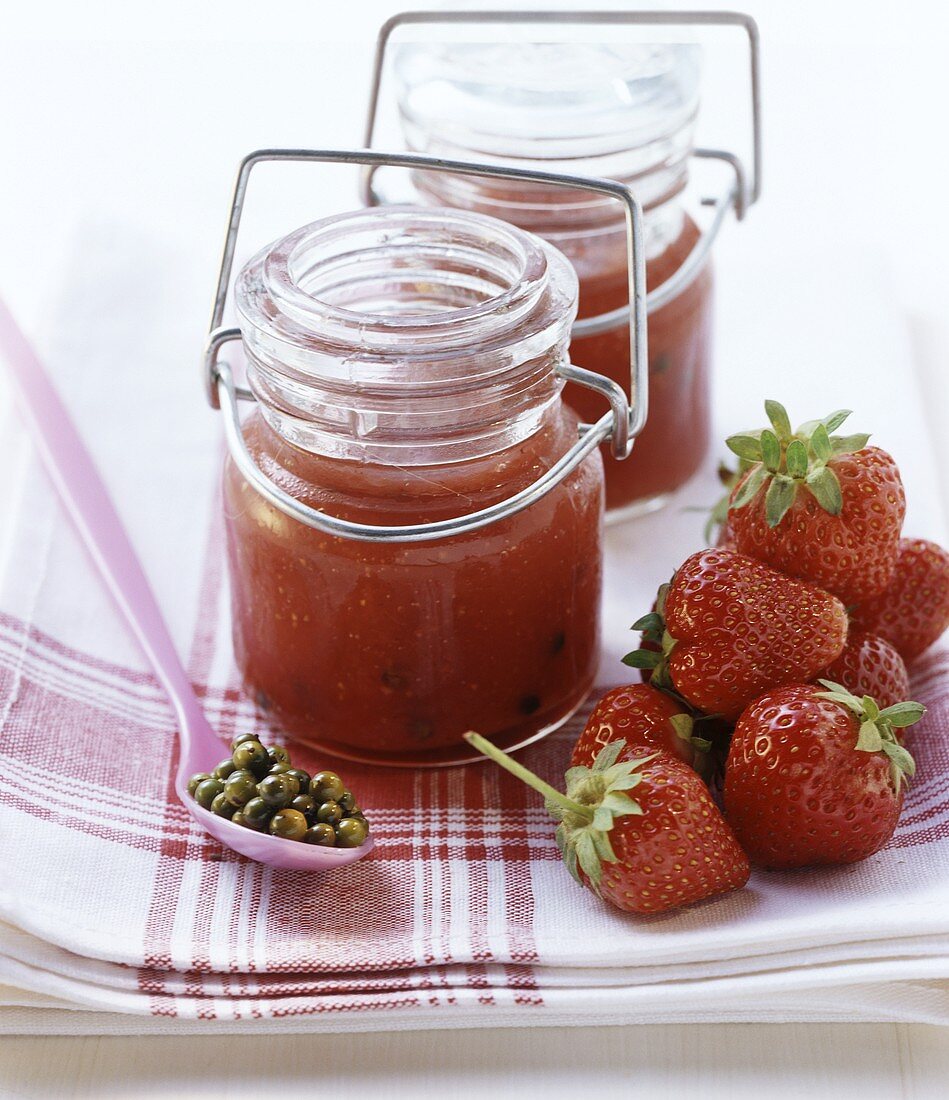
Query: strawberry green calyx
{"x":596,"y":797}
{"x":878,"y":727}
{"x":660,"y":643}
{"x":684,"y":726}
{"x":656,"y":661}
{"x":784,"y":462}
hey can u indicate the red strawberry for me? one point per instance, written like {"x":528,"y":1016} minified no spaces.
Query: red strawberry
{"x":731,"y":628}
{"x":913,"y":610}
{"x":870,"y":666}
{"x":822,"y":507}
{"x":816,"y":776}
{"x":668,"y":847}
{"x":641,"y":715}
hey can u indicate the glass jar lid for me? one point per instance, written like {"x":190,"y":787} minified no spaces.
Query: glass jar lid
{"x":551,"y":102}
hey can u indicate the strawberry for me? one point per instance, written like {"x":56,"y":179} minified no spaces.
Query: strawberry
{"x":821,"y":507}
{"x":730,"y":628}
{"x":870,"y":666}
{"x":816,"y":776}
{"x":641,"y":715}
{"x":913,"y":610}
{"x":669,"y":846}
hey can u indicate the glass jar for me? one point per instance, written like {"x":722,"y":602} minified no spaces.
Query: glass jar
{"x":405,"y":364}
{"x":625,"y":113}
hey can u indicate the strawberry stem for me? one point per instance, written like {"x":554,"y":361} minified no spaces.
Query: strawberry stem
{"x":528,"y":777}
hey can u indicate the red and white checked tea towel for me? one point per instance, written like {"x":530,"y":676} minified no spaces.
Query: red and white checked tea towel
{"x":118,"y":914}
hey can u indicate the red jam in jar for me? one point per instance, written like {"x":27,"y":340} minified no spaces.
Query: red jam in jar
{"x":621,"y":112}
{"x":675,"y":440}
{"x":405,"y":363}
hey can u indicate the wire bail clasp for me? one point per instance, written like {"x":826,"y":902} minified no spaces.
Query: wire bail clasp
{"x":741,"y":192}
{"x":620,"y":425}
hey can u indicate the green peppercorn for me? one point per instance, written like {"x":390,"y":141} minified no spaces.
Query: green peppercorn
{"x":206,"y":792}
{"x":302,"y":777}
{"x":322,"y":834}
{"x":278,"y":769}
{"x":331,"y":812}
{"x":253,"y":756}
{"x":257,"y":813}
{"x":240,"y":787}
{"x":326,"y":787}
{"x":222,"y":807}
{"x":278,"y":790}
{"x":224,"y":769}
{"x":289,"y":824}
{"x":351,"y":832}
{"x":278,"y":755}
{"x":239,"y":819}
{"x":241,"y":738}
{"x":306,"y":805}
{"x":348,"y":802}
{"x":196,"y":779}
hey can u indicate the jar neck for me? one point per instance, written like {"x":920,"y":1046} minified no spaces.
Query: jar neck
{"x":590,"y":230}
{"x":406,"y":336}
{"x":543,"y":208}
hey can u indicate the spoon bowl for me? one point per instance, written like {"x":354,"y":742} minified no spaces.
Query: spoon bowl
{"x":201,"y":749}
{"x":87,"y":501}
{"x":272,"y":850}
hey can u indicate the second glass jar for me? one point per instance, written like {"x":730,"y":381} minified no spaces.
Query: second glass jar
{"x":625,"y":113}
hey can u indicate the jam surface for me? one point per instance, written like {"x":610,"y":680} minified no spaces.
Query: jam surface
{"x":672,"y":445}
{"x":390,"y":651}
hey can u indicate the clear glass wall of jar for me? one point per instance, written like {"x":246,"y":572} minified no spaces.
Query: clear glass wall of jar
{"x":625,"y":113}
{"x":405,"y":365}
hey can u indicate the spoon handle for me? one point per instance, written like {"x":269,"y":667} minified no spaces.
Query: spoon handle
{"x":85,"y":497}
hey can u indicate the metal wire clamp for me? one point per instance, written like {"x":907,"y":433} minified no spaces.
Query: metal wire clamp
{"x":739,"y":195}
{"x":621,"y":425}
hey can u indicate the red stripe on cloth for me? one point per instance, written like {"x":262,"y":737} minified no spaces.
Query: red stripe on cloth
{"x":63,"y":663}
{"x":345,"y":1006}
{"x":49,"y":644}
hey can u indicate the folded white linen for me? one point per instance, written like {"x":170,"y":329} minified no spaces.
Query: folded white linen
{"x":136,"y":923}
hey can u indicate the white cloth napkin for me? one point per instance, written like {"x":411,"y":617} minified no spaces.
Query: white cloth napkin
{"x":80,"y":896}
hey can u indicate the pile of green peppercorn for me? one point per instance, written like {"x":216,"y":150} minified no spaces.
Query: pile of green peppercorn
{"x":258,"y":788}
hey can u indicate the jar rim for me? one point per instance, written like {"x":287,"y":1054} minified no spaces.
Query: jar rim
{"x":520,"y":273}
{"x":371,"y":329}
{"x":283,"y":260}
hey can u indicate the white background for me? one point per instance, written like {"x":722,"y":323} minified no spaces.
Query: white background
{"x":132,"y":116}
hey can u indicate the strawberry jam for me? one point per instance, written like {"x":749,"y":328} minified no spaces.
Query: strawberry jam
{"x":404,"y":362}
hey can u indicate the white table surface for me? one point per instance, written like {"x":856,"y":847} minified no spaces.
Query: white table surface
{"x":114,"y":108}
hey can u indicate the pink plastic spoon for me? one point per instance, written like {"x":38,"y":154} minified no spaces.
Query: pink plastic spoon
{"x":87,"y":501}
